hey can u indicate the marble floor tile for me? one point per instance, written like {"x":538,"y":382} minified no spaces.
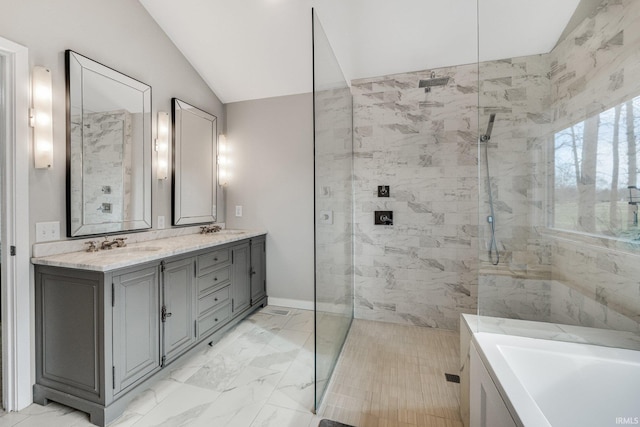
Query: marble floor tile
{"x":217,"y":415}
{"x":275,"y":416}
{"x":287,"y":340}
{"x":53,"y":415}
{"x":296,"y":388}
{"x":261,"y":374}
{"x":218,"y":373}
{"x":300,"y":321}
{"x":182,"y":406}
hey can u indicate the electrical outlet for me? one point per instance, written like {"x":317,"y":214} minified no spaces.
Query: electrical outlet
{"x":238,"y":210}
{"x":160,"y":222}
{"x":47,"y":231}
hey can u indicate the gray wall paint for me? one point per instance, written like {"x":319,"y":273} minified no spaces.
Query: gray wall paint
{"x":272,"y":151}
{"x":120,"y":34}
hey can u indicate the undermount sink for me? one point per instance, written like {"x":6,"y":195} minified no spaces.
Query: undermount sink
{"x":230,"y":232}
{"x":129,"y":249}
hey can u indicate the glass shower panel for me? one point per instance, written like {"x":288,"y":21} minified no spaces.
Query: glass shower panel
{"x":558,"y":176}
{"x":333,"y":145}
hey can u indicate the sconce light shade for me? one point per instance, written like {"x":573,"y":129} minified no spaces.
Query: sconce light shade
{"x":41,"y":117}
{"x":162,"y":145}
{"x":224,"y":161}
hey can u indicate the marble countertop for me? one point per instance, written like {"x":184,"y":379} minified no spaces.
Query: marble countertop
{"x":141,"y":252}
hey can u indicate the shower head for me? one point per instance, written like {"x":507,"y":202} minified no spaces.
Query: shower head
{"x":487,"y":136}
{"x":433,"y":81}
{"x":438,"y":81}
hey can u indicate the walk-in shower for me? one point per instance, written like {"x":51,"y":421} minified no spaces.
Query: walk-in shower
{"x":502,"y":198}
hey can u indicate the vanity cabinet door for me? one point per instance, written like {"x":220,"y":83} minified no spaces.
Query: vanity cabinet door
{"x":69,"y":338}
{"x":240,"y":278}
{"x":178,"y":307}
{"x":136,"y":324}
{"x":258,"y":270}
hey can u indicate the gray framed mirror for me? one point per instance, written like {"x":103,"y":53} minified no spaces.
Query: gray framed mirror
{"x":194,"y":183}
{"x":108,"y":149}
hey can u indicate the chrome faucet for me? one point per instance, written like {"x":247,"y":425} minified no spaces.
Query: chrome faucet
{"x":207,"y":229}
{"x":118,"y":242}
{"x":92,"y":246}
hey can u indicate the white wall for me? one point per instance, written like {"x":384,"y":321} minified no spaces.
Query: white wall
{"x":120,"y":34}
{"x":272,"y":151}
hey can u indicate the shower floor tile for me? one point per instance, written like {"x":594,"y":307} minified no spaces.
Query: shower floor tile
{"x":393,"y":375}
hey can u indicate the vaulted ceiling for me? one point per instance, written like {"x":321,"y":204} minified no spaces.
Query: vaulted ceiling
{"x":251,"y":49}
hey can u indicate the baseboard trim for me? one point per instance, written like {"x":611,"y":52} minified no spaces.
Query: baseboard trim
{"x":291,"y":303}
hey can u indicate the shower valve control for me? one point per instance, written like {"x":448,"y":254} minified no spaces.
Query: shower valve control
{"x":383,"y":218}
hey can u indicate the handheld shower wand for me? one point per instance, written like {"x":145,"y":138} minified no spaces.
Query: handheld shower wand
{"x":487,"y":136}
{"x":491,"y":219}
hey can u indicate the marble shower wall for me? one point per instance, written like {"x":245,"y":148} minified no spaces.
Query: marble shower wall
{"x":593,"y":69}
{"x":422,"y":270}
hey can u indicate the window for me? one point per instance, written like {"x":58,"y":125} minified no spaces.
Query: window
{"x":596,"y":174}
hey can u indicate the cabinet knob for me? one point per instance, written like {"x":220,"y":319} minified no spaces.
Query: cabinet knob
{"x":215,"y":279}
{"x":215,"y":259}
{"x":215,"y":320}
{"x":215,"y":299}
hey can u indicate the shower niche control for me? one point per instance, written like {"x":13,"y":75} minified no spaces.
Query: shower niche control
{"x":383,"y":191}
{"x":383,"y":218}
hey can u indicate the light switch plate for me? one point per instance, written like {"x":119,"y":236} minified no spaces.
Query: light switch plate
{"x":47,"y":231}
{"x":238,"y":210}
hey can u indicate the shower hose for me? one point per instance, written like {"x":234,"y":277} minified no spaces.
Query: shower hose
{"x":491,"y":219}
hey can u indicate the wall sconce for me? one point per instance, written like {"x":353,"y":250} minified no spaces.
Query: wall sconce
{"x":224,"y":161}
{"x":41,"y":117}
{"x":162,"y":145}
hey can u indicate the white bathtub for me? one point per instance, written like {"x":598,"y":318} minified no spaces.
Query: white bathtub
{"x":559,"y":384}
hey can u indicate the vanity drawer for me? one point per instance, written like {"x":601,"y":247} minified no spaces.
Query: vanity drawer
{"x":214,"y":299}
{"x":211,"y":260}
{"x":215,"y":278}
{"x":210,"y":322}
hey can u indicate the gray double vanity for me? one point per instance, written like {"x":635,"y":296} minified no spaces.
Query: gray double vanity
{"x":112,"y":315}
{"x":109,"y":322}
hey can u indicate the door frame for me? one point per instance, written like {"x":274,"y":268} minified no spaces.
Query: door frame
{"x":16,"y":286}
